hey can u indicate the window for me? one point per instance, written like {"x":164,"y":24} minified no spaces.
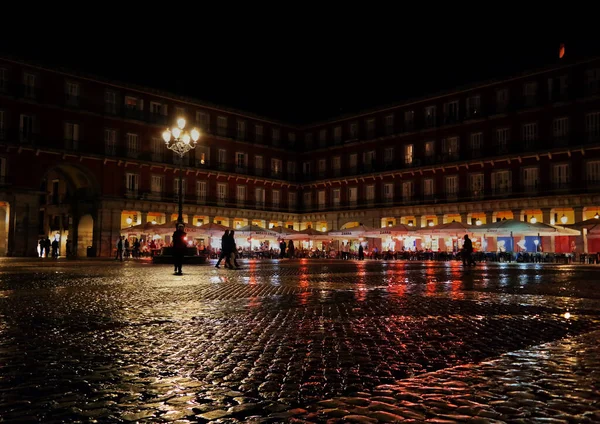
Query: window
{"x":133,"y":144}
{"x":222,"y":159}
{"x":131,"y":182}
{"x":475,"y":141}
{"x":72,"y":93}
{"x":322,"y":137}
{"x":451,"y":112}
{"x":202,"y":155}
{"x":560,"y":129}
{"x":158,"y":148}
{"x":241,"y":162}
{"x":352,"y":196}
{"x":336,"y":164}
{"x":530,"y":93}
{"x":592,"y":126}
{"x":473,"y":106}
{"x":203,"y":121}
{"x":408,"y":154}
{"x":276,"y":167}
{"x":241,"y":195}
{"x":592,"y":81}
{"x":221,"y":193}
{"x":369,"y":160}
{"x":451,"y":186}
{"x":502,"y":137}
{"x":388,"y":192}
{"x":322,"y":167}
{"x":71,"y":136}
{"x":2,"y":170}
{"x":501,"y":182}
{"x":370,"y":128}
{"x":306,"y":168}
{"x":258,"y":165}
{"x":291,"y":169}
{"x":222,"y":126}
{"x":353,"y":131}
{"x":201,"y":191}
{"x":430,"y":112}
{"x":179,"y":112}
{"x":110,"y":102}
{"x":451,"y":146}
{"x":275,"y":195}
{"x":476,"y":185}
{"x":26,"y":126}
{"x":155,"y":108}
{"x":428,"y":191}
{"x":110,"y":141}
{"x":337,"y":134}
{"x":407,"y":191}
{"x":353,"y":161}
{"x":292,"y":200}
{"x":308,"y":139}
{"x":530,"y":178}
{"x":292,"y":138}
{"x":258,"y":133}
{"x":560,"y":175}
{"x":275,"y":136}
{"x":429,"y":149}
{"x":156,"y":184}
{"x":592,"y":172}
{"x":133,"y":103}
{"x":2,"y":127}
{"x":29,"y":84}
{"x":307,"y":199}
{"x":501,"y":100}
{"x":336,"y":196}
{"x":176,"y":188}
{"x":370,"y":193}
{"x":321,"y":199}
{"x":3,"y":80}
{"x":530,"y":133}
{"x":388,"y":155}
{"x":409,"y":120}
{"x":557,"y":88}
{"x":389,"y":124}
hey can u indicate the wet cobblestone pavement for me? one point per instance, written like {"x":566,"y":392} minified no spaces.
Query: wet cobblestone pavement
{"x":99,"y":341}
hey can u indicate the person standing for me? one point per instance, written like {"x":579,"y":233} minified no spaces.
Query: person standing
{"x":282,"y":247}
{"x":467,"y":253}
{"x":291,"y":249}
{"x":136,"y":248}
{"x":361,"y":253}
{"x":47,"y":244}
{"x":126,"y":250}
{"x":41,"y":243}
{"x":55,"y":248}
{"x":233,"y":252}
{"x":179,"y":247}
{"x":119,"y":249}
{"x":224,"y":249}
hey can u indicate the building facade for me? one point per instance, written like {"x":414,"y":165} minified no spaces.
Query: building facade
{"x":83,"y":157}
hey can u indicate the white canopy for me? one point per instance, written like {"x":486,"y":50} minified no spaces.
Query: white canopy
{"x":146,"y":228}
{"x":449,"y":229}
{"x":211,"y":229}
{"x":310,"y":234}
{"x":396,"y":230}
{"x":354,"y":232}
{"x":257,"y":232}
{"x":510,"y":227}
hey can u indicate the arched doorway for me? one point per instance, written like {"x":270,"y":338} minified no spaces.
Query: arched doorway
{"x":85,"y":235}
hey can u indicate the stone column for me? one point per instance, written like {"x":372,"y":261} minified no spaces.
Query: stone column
{"x":578,"y":213}
{"x":464,"y":217}
{"x":440,"y":219}
{"x":547,"y":215}
{"x":143,"y":217}
{"x":489,"y":217}
{"x":517,"y":214}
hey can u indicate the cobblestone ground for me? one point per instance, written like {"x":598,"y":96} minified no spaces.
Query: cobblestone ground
{"x":298,"y":341}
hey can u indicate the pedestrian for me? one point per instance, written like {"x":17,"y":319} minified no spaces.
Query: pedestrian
{"x":233,"y":252}
{"x":282,"y":249}
{"x":179,"y":247}
{"x":69,"y":245}
{"x":47,"y":244}
{"x":345,"y":251}
{"x":467,"y":252}
{"x":119,"y":249}
{"x":41,"y":243}
{"x":126,"y":248}
{"x":224,"y":249}
{"x":361,"y":253}
{"x":291,"y":249}
{"x":55,"y":248}
{"x":136,"y":248}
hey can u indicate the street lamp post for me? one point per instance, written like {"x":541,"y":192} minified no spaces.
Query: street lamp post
{"x":180,"y":141}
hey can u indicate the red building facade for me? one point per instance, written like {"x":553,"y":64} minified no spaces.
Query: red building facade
{"x":84,"y":158}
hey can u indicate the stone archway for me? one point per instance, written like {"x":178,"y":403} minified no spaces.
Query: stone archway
{"x":85,"y":235}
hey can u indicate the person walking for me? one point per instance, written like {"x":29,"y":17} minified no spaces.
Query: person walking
{"x":361,"y":253}
{"x":47,"y":244}
{"x":55,"y":249}
{"x":119,"y":249}
{"x":467,"y":253}
{"x":126,"y":250}
{"x":291,"y":249}
{"x":282,"y":247}
{"x":179,"y":247}
{"x":224,"y":249}
{"x":233,"y":252}
{"x":42,"y":243}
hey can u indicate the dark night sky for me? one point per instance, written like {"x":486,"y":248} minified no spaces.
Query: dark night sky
{"x":302,"y":77}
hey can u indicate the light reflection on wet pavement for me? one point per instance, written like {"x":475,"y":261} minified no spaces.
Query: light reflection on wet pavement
{"x":105,"y":341}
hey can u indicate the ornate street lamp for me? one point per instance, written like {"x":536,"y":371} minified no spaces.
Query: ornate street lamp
{"x":180,"y":141}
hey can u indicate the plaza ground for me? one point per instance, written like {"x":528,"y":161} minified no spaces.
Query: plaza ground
{"x":302,"y":340}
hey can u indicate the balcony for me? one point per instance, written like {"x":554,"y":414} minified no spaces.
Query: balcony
{"x":241,"y":169}
{"x":71,"y":144}
{"x":430,"y":122}
{"x":276,"y":173}
{"x":157,"y":157}
{"x":133,"y":113}
{"x":474,"y":113}
{"x":157,"y":118}
{"x":71,"y":100}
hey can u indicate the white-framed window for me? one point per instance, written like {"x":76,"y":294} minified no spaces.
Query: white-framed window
{"x":337,"y":134}
{"x":221,"y":193}
{"x":473,"y":106}
{"x":408,"y":190}
{"x":408,"y":154}
{"x":353,"y":161}
{"x":222,"y":126}
{"x":389,"y":124}
{"x":176,"y":188}
{"x":409,"y":120}
{"x":72,"y":93}
{"x":307,"y":199}
{"x":258,"y":133}
{"x":323,"y":136}
{"x":370,"y":193}
{"x":110,"y":101}
{"x":561,"y":175}
{"x":451,"y":111}
{"x":291,"y":168}
{"x":502,"y":138}
{"x":321,"y":199}
{"x":276,"y":167}
{"x":476,"y":185}
{"x":560,"y":128}
{"x":110,"y":141}
{"x":592,"y":172}
{"x":531,"y":176}
{"x":306,"y":167}
{"x":429,"y":149}
{"x":29,"y":84}
{"x":132,"y":181}
{"x":475,"y":140}
{"x":241,"y":162}
{"x":71,"y":135}
{"x":352,"y":196}
{"x":428,"y":191}
{"x":291,"y":199}
{"x":592,"y":81}
{"x":26,"y":127}
{"x":388,"y":155}
{"x":430,"y":116}
{"x":388,"y":192}
{"x":275,"y":135}
{"x":451,"y":146}
{"x":501,"y":100}
{"x":222,"y":158}
{"x":158,"y":149}
{"x":369,"y":159}
{"x":353,"y":130}
{"x":241,"y":195}
{"x":501,"y":182}
{"x":133,"y":144}
{"x":155,"y":108}
{"x":133,"y":103}
{"x":530,"y":131}
{"x":275,"y":198}
{"x":370,"y":127}
{"x":3,"y":79}
{"x":203,"y":121}
{"x":530,"y":92}
{"x":592,"y":126}
{"x":258,"y":165}
{"x":451,"y":185}
{"x":201,"y":190}
{"x":157,"y":183}
{"x":336,"y":197}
